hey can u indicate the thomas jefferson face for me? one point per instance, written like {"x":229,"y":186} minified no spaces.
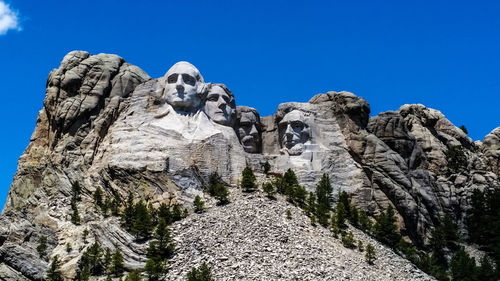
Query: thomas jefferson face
{"x":248,"y":131}
{"x":182,"y":82}
{"x":218,"y":106}
{"x":294,"y":132}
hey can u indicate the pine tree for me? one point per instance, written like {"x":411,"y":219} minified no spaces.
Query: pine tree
{"x":115,"y":206}
{"x":464,"y":129}
{"x":76,"y":189}
{"x":154,"y":268}
{"x":221,"y":194}
{"x":162,"y":246}
{"x":346,"y":201}
{"x":199,"y":205}
{"x":84,"y":235}
{"x":92,"y":258}
{"x":364,"y":221}
{"x":128,"y":215}
{"x":290,"y":181}
{"x":165,"y":213}
{"x":385,"y":228}
{"x":248,"y":180}
{"x":361,"y":248}
{"x":54,"y":271}
{"x":279,"y":185}
{"x":203,"y":273}
{"x":85,"y":274}
{"x":354,"y":217}
{"x":42,"y":246}
{"x":106,"y":206}
{"x":462,"y":266}
{"x":340,"y":215}
{"x":311,"y":203}
{"x":370,"y":253}
{"x":324,"y":200}
{"x":106,"y":262}
{"x":153,"y":213}
{"x":300,"y":196}
{"x":176,"y":213}
{"x":142,"y":222}
{"x":75,"y":216}
{"x":98,"y":197}
{"x":267,"y":167}
{"x":456,"y":158}
{"x":116,"y":268}
{"x":348,"y":240}
{"x":212,"y":183}
{"x":438,"y":244}
{"x":486,"y":271}
{"x":134,"y":275}
{"x":269,"y":189}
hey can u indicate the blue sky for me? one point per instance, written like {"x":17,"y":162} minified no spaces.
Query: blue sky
{"x":443,"y":54}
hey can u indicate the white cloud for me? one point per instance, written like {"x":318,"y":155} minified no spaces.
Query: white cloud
{"x":8,"y":18}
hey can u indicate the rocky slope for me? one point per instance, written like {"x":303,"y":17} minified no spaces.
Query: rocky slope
{"x":252,"y":239}
{"x":105,"y":123}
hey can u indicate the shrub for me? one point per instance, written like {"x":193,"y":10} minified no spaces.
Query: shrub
{"x":199,"y":205}
{"x":269,"y":189}
{"x":202,"y":273}
{"x":348,"y":240}
{"x":248,"y":180}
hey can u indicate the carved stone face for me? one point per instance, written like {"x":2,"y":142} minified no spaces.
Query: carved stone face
{"x":182,"y":86}
{"x":218,"y":106}
{"x":294,"y":132}
{"x":249,"y":131}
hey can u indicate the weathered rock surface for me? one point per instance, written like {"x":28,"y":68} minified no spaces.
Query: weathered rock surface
{"x":105,"y":123}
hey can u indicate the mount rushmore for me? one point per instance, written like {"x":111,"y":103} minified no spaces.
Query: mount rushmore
{"x":105,"y":123}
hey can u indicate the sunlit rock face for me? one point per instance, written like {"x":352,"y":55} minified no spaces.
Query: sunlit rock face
{"x":106,"y":123}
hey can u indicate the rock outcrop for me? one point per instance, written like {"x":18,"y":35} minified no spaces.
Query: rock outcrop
{"x":107,"y":124}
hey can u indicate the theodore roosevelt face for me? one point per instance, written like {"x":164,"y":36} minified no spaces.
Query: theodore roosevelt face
{"x":249,"y":129}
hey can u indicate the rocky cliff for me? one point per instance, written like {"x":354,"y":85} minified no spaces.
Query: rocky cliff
{"x":106,"y":124}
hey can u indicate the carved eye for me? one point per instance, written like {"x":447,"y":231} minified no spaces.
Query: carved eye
{"x":188,"y":79}
{"x":172,"y":78}
{"x":297,"y":125}
{"x":213,"y":98}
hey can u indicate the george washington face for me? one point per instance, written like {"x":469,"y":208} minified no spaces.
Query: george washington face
{"x":183,"y":82}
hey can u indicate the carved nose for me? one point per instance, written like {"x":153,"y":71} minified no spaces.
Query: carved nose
{"x":179,"y":88}
{"x":289,"y":130}
{"x":221,"y":103}
{"x":254,"y":131}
